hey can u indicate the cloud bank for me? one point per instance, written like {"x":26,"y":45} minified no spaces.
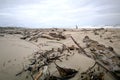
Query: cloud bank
{"x":59,"y":13}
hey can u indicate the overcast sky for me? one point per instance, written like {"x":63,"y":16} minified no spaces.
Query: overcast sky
{"x":59,"y":13}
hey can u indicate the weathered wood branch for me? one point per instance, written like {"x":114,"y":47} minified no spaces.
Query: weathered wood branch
{"x":80,"y":47}
{"x":111,"y":72}
{"x":91,"y":67}
{"x":37,"y":77}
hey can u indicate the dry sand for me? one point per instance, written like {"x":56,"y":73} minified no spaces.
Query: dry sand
{"x":14,"y":51}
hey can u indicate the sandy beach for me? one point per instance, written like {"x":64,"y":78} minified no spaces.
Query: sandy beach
{"x":17,"y":46}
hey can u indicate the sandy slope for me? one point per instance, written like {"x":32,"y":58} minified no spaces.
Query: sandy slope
{"x":13,"y":52}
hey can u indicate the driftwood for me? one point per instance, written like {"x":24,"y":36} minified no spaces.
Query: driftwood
{"x":91,"y":74}
{"x":66,"y":72}
{"x":39,"y":60}
{"x":80,"y":47}
{"x":111,"y":72}
{"x":97,"y":62}
{"x":89,"y":69}
{"x":38,"y":75}
{"x":104,"y":60}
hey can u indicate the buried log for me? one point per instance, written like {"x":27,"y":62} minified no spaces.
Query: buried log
{"x":111,"y":72}
{"x":66,"y":72}
{"x":100,"y":64}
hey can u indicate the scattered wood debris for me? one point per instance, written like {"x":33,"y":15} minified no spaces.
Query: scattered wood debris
{"x":106,"y":55}
{"x":93,"y":73}
{"x":38,"y":66}
{"x":33,"y":36}
{"x":40,"y":59}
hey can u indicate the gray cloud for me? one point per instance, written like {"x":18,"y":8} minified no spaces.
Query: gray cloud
{"x":59,"y":13}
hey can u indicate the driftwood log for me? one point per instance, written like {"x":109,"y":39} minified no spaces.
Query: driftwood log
{"x":38,"y":75}
{"x":111,"y":72}
{"x":80,"y":47}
